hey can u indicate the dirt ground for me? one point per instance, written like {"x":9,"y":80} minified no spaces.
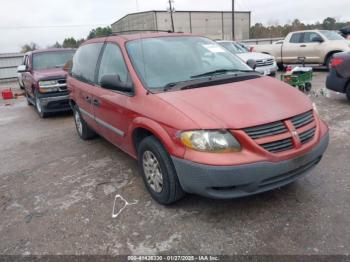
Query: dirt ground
{"x":57,"y":194}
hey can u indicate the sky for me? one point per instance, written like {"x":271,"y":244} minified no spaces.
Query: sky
{"x":48,"y":21}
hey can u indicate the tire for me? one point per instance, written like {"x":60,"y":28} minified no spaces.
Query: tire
{"x":29,"y":103}
{"x":167,"y":189}
{"x":308,"y":87}
{"x":39,"y":109}
{"x":348,"y":91}
{"x":328,"y":62}
{"x":83,"y":129}
{"x":281,"y":66}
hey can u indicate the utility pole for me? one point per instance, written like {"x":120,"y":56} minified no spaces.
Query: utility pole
{"x":171,"y":10}
{"x":233,"y":19}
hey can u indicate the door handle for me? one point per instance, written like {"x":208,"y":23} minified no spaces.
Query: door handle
{"x":96,"y":102}
{"x":303,"y":46}
{"x":88,"y":99}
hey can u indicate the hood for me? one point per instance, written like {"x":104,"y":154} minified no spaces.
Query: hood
{"x":50,"y":74}
{"x":239,"y":105}
{"x":255,"y":56}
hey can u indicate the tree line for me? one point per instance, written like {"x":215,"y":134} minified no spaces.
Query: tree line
{"x":71,"y":42}
{"x":256,"y":31}
{"x":261,"y":31}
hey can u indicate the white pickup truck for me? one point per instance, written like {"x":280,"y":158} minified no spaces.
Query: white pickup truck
{"x":311,"y":46}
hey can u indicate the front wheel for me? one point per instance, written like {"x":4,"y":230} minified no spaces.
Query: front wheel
{"x":158,"y":172}
{"x":39,"y":108}
{"x":83,"y":130}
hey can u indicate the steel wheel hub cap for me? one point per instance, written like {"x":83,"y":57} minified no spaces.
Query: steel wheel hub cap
{"x":152,"y":171}
{"x":78,"y":122}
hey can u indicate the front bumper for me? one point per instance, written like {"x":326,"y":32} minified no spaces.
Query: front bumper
{"x":243,"y":180}
{"x":267,"y":70}
{"x":55,"y":102}
{"x":336,"y":83}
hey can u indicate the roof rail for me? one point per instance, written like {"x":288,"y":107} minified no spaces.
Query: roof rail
{"x":141,"y":30}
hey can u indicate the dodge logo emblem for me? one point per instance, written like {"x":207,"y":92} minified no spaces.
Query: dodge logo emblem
{"x":294,"y":133}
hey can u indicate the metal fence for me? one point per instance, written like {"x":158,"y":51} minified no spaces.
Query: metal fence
{"x":9,"y":64}
{"x":261,"y":41}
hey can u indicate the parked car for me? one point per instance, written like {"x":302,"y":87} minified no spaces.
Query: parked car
{"x":310,"y":47}
{"x":19,"y":75}
{"x":196,"y":117}
{"x":265,"y":64}
{"x":44,"y":79}
{"x":339,"y":76}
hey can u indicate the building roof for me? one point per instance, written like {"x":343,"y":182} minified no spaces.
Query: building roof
{"x":181,"y":11}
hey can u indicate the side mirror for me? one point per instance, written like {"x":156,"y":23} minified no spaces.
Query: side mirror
{"x":113,"y":82}
{"x":317,"y":39}
{"x":21,"y":69}
{"x":68,"y":66}
{"x":251,"y":63}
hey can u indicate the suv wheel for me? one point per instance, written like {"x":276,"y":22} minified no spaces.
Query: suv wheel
{"x":84,"y":131}
{"x":158,"y":172}
{"x":27,"y":98}
{"x":329,"y":62}
{"x":39,"y":107}
{"x":348,"y":91}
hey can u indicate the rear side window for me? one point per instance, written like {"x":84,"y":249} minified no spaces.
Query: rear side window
{"x":112,"y":63}
{"x":309,"y":37}
{"x":85,"y":62}
{"x":296,"y":38}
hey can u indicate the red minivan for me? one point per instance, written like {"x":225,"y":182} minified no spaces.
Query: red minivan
{"x":197,"y":118}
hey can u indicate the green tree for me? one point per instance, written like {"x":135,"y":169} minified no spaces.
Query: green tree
{"x":329,"y":23}
{"x":100,"y":31}
{"x":29,"y":47}
{"x":56,"y":45}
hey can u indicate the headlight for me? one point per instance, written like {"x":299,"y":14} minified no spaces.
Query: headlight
{"x":315,"y":107}
{"x":48,"y":86}
{"x":219,"y":141}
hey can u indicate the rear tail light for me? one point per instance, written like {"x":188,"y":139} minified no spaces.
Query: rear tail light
{"x":336,"y":62}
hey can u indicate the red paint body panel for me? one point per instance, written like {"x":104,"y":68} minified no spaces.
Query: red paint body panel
{"x":229,"y":106}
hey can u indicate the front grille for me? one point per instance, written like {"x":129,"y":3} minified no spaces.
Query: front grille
{"x":279,"y":146}
{"x":303,"y":119}
{"x":265,"y":62}
{"x":307,"y":136}
{"x":266,"y":130}
{"x":263,"y":133}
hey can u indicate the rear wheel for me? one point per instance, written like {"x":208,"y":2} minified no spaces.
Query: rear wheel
{"x":158,"y":172}
{"x":280,"y":66}
{"x":328,"y":62}
{"x":84,"y":131}
{"x":348,"y":91}
{"x":29,"y":103}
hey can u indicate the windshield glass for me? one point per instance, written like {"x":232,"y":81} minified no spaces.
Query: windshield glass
{"x":49,"y":60}
{"x":331,"y":35}
{"x":233,"y":47}
{"x":163,"y":60}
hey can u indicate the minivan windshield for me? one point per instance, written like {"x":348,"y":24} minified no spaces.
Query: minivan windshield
{"x":332,"y":35}
{"x":167,"y":60}
{"x":48,"y":60}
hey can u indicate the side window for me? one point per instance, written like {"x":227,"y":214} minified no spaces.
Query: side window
{"x":113,"y":63}
{"x":309,"y":37}
{"x":296,"y":38}
{"x":85,"y":62}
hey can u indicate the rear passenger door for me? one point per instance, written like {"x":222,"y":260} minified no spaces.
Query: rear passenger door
{"x":111,"y":110}
{"x":84,"y":78}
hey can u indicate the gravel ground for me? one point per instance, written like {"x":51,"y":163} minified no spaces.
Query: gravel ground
{"x":57,"y":194}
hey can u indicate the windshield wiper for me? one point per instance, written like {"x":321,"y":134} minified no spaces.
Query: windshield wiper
{"x":170,"y":86}
{"x":221,"y":71}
